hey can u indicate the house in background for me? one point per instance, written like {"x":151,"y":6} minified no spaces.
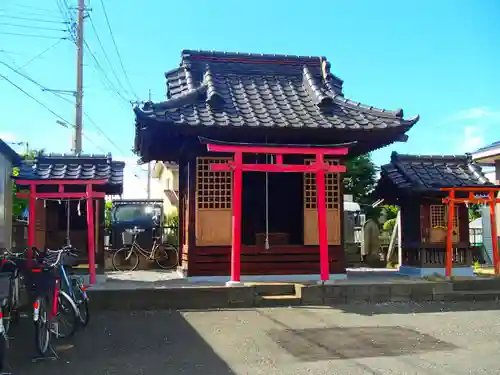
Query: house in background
{"x":167,"y":176}
{"x":8,"y":159}
{"x":489,"y":157}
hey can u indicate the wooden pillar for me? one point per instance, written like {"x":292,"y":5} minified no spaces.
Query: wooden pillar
{"x":236,"y":203}
{"x":494,"y":238}
{"x":449,"y":237}
{"x":322,"y":221}
{"x":31,"y":221}
{"x":90,"y":234}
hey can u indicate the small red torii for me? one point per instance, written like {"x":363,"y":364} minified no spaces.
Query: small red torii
{"x":237,"y":167}
{"x":491,"y":200}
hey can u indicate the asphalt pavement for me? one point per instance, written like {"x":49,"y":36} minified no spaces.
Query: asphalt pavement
{"x":395,"y":338}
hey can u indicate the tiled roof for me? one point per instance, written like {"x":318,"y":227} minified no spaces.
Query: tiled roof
{"x":72,"y":167}
{"x":489,"y":147}
{"x":432,"y":172}
{"x":249,"y":90}
{"x":9,"y":153}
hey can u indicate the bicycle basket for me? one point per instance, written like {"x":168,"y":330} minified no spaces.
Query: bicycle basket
{"x":4,"y":285}
{"x":127,"y":238}
{"x":40,"y":281}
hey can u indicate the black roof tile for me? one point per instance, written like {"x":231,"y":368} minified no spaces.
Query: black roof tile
{"x":236,"y":89}
{"x":431,"y":172}
{"x":75,"y":167}
{"x":9,"y":153}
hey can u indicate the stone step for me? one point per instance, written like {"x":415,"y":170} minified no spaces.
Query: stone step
{"x":473,"y":295}
{"x":278,"y":301}
{"x":477,"y":284}
{"x":273,"y":289}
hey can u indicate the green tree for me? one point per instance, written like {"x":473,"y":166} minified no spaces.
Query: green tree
{"x":20,"y":204}
{"x":360,"y":180}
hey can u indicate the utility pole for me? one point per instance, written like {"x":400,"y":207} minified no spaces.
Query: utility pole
{"x":77,"y":142}
{"x":149,"y":166}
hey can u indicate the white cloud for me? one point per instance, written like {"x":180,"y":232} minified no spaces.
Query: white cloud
{"x":473,"y":139}
{"x":477,"y":113}
{"x":8,"y":137}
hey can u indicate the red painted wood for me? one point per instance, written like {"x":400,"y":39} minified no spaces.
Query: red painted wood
{"x":449,"y":237}
{"x":276,"y":168}
{"x":322,"y":225}
{"x":31,"y":222}
{"x":494,"y":236}
{"x":90,"y":235}
{"x":279,"y":159}
{"x":62,"y":195}
{"x":278,"y":258}
{"x":473,"y":188}
{"x":61,"y":188}
{"x":236,"y":203}
{"x":275,"y":150}
{"x":59,"y":182}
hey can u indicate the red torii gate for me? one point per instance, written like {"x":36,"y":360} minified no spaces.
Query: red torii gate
{"x":319,"y":168}
{"x":88,"y":195}
{"x":492,"y":202}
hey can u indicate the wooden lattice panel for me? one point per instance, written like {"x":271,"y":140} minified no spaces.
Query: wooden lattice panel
{"x":213,"y":189}
{"x":438,"y":214}
{"x":332,"y":198}
{"x":213,"y":203}
{"x":332,"y":188}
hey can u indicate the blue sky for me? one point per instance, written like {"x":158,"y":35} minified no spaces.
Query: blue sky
{"x":439,"y":59}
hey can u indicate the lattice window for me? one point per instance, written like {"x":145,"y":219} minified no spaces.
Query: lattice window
{"x":332,"y":187}
{"x":213,"y":189}
{"x":439,"y":216}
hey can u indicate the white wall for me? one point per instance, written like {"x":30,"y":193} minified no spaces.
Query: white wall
{"x":5,"y":202}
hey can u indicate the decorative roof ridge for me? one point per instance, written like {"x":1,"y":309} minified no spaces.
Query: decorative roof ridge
{"x":213,"y":98}
{"x":396,"y":157}
{"x":320,"y":98}
{"x":215,"y":56}
{"x":173,"y":103}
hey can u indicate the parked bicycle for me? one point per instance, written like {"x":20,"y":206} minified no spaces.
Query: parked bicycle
{"x":5,"y":282}
{"x":53,"y":309}
{"x":127,"y":258}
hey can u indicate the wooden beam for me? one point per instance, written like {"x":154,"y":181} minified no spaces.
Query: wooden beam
{"x":276,"y":168}
{"x":60,"y":182}
{"x":61,"y":195}
{"x":494,"y":236}
{"x":322,"y":221}
{"x":277,"y":150}
{"x":473,"y":188}
{"x":236,"y":203}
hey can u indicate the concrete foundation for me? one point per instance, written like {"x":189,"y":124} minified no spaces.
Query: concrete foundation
{"x":426,"y":271}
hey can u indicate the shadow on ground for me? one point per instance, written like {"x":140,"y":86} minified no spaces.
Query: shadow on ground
{"x":118,"y":343}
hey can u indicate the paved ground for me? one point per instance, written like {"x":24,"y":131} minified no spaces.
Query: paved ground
{"x":401,"y":338}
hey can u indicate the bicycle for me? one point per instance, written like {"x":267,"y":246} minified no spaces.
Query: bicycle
{"x":11,"y":264}
{"x":75,"y":289}
{"x":5,"y":283}
{"x":50,"y":302}
{"x":165,"y":255}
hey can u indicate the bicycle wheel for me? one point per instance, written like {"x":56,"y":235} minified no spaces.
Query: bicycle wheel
{"x":125,"y":259}
{"x":82,"y":302}
{"x":3,"y":351}
{"x":167,"y":257}
{"x":42,"y":326}
{"x":66,"y":317}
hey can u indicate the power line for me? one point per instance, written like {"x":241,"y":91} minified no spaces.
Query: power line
{"x":41,"y":53}
{"x":32,"y":7}
{"x":106,"y":55}
{"x":32,"y":35}
{"x":33,"y":98}
{"x":23,"y":13}
{"x":30,"y":26}
{"x":30,"y":19}
{"x":117,"y":51}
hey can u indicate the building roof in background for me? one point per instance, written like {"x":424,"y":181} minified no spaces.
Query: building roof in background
{"x":9,"y":153}
{"x":432,"y":172}
{"x":487,"y":155}
{"x":75,"y":167}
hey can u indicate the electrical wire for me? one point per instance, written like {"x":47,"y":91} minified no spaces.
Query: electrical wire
{"x":30,"y":19}
{"x":32,"y":35}
{"x":106,"y":55}
{"x":116,"y":49}
{"x":30,"y":26}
